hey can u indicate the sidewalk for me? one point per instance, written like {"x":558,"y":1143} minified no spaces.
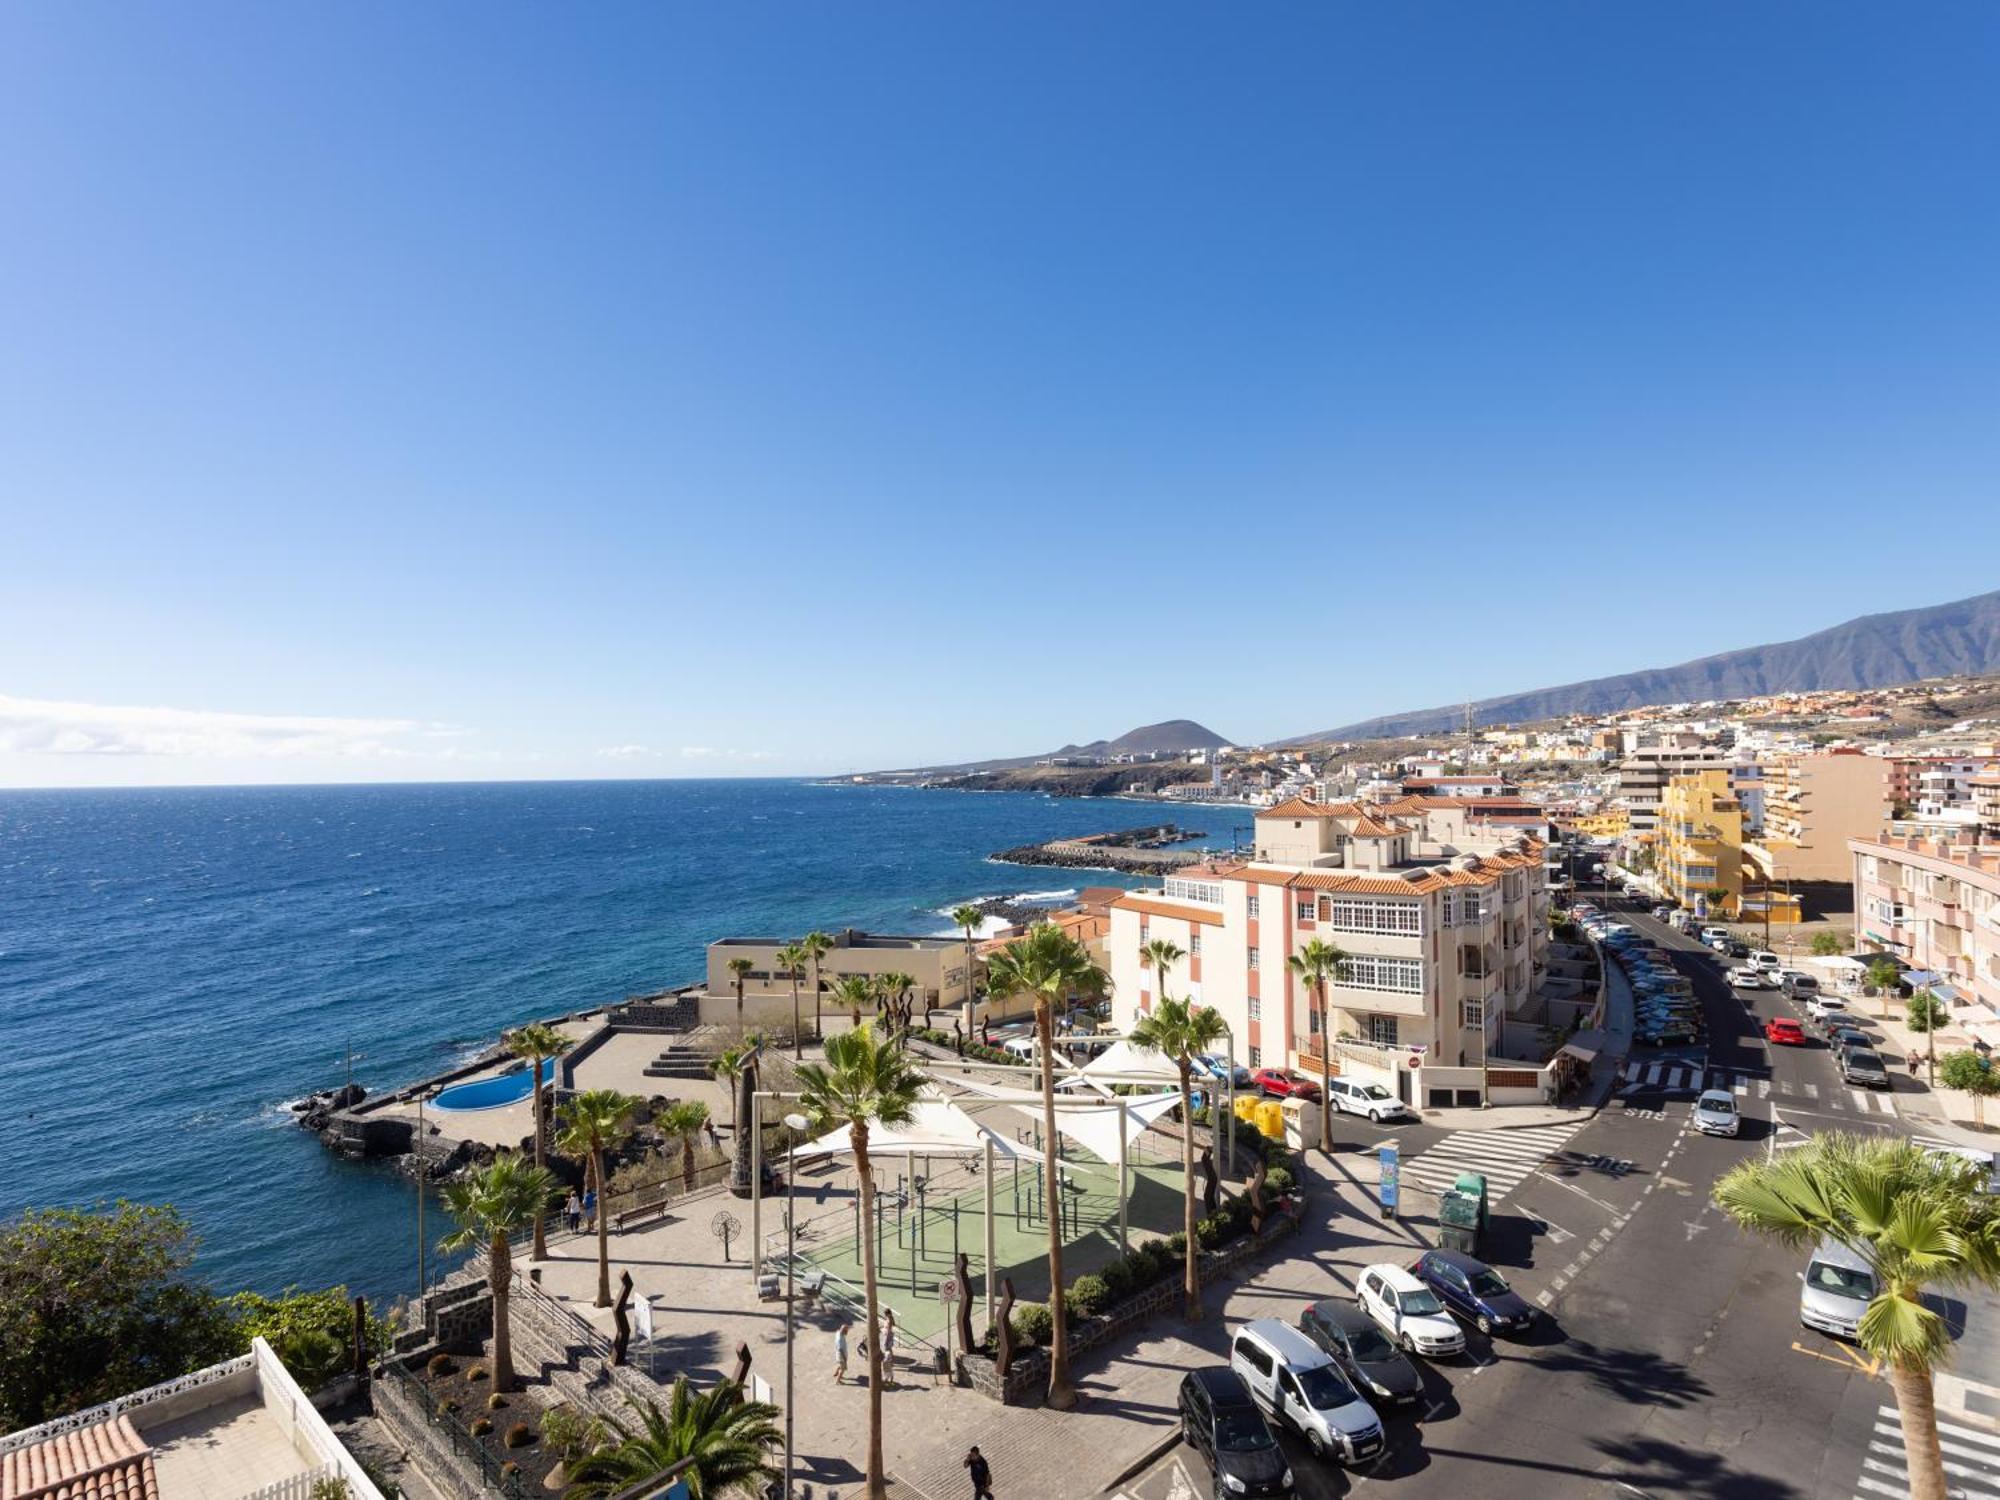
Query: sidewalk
{"x":1127,"y":1409}
{"x":1949,"y":1109}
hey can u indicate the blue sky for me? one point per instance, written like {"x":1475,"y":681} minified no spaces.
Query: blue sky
{"x":400,"y":392}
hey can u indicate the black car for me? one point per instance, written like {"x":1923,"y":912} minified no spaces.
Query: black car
{"x":1739,"y":950}
{"x":1376,"y":1367}
{"x":1221,"y":1422}
{"x":1474,"y":1290}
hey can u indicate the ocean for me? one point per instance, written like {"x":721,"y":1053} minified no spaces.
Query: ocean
{"x":176,"y":966}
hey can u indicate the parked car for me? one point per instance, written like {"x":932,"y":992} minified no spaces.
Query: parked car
{"x":1843,"y":1038}
{"x":1738,"y":950}
{"x":1669,"y":1036}
{"x":1221,"y":1422}
{"x":1351,"y":1096}
{"x":1408,"y":1311}
{"x":1377,"y":1367}
{"x":1715,"y":1113}
{"x":1764,"y":959}
{"x":1837,"y":1288}
{"x":1864,"y":1066}
{"x":1824,"y":1023}
{"x":1747,"y":978}
{"x":1298,"y":1383}
{"x":1784,"y":1032}
{"x":1473,"y":1290}
{"x":1820,"y":1003}
{"x":1719,"y":944}
{"x":1281,"y":1083}
{"x":1662,"y":912}
{"x":1798,"y":986}
{"x":1711,"y":933}
{"x":1218,"y":1069}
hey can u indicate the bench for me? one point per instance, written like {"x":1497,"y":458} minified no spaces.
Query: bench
{"x":655,"y":1208}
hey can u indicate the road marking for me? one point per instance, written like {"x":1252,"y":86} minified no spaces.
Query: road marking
{"x":1887,"y":1420}
{"x":1848,"y":1358}
{"x":1812,"y":1091}
{"x":1503,"y":1157}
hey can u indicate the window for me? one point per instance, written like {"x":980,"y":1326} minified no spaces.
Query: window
{"x":1472,"y":1013}
{"x":1254,"y":958}
{"x":1256,"y":1008}
{"x":1366,"y":971}
{"x":1253,"y":908}
{"x":1208,"y":892}
{"x":1256,"y":1056}
{"x":1382,"y":1029}
{"x":1305,"y":911}
{"x":1254,"y":1356}
{"x":1312,"y":1022}
{"x":1194,"y":945}
{"x":1391,"y":917}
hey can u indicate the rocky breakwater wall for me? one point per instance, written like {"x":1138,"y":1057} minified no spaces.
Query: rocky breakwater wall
{"x":1134,"y":851}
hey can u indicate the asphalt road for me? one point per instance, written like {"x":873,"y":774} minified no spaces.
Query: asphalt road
{"x":1673,"y":1362}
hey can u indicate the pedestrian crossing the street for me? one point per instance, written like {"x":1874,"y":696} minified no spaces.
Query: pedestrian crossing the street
{"x":1672,"y":1078}
{"x":1971,"y":1461}
{"x":1502,"y":1157}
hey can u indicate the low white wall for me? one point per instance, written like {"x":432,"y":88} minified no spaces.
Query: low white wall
{"x":310,"y":1437}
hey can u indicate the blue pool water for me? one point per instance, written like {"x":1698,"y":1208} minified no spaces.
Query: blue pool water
{"x":491,"y":1093}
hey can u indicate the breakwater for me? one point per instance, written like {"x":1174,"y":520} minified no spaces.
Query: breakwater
{"x":1135,"y":851}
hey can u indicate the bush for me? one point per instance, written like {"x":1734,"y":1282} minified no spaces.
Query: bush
{"x":1278,"y":1180}
{"x":565,"y":1432}
{"x":1088,"y":1296}
{"x":1117,"y":1279}
{"x":481,"y":1426}
{"x":1211,"y":1232}
{"x":330,"y":1487}
{"x":447,"y":1406}
{"x":495,"y":1401}
{"x":477,"y":1372}
{"x":1176,"y":1242}
{"x":441,"y":1364}
{"x":1034,"y":1322}
{"x":519,"y":1435}
{"x":1142,"y":1268}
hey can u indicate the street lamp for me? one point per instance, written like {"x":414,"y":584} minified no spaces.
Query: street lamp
{"x":796,"y":1124}
{"x":422,"y":1175}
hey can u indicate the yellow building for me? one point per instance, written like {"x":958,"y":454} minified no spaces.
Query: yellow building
{"x":1609,"y":824}
{"x":1700,"y":847}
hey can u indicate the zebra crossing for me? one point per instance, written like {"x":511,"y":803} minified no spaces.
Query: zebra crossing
{"x":1671,"y":1078}
{"x":1971,"y":1461}
{"x":1503,"y":1157}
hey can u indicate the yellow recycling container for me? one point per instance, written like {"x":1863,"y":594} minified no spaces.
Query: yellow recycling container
{"x":1246,"y":1107}
{"x":1271,"y":1119}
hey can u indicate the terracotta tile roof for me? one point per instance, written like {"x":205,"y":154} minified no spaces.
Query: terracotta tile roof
{"x":104,"y":1461}
{"x":1298,"y":807}
{"x":1199,"y":915}
{"x":1374,"y":828}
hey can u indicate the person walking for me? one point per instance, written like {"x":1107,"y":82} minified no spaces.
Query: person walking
{"x":981,"y":1474}
{"x":573,"y":1211}
{"x":590,"y":1205}
{"x":889,"y":1347}
{"x":840,"y":1353}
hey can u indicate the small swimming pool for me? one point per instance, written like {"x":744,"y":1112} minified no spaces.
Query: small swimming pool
{"x":491,"y":1093}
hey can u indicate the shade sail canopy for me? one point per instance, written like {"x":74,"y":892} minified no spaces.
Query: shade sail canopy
{"x":937,"y":1127}
{"x":1093,"y":1125}
{"x":1585,"y":1045}
{"x":1124,"y":1063}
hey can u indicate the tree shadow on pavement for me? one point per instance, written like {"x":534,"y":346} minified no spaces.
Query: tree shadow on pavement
{"x":1652,"y":1467}
{"x":1635,"y":1375}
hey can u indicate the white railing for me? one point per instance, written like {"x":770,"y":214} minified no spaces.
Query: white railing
{"x":91,"y":1416}
{"x":295,"y":1487}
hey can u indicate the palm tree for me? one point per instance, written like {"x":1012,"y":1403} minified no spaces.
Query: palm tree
{"x":594,"y":1122}
{"x":683,"y":1121}
{"x":739,"y":970}
{"x":865,"y":1081}
{"x":490,"y":1203}
{"x":853,"y":991}
{"x":1181,"y":1029}
{"x":817,"y":945}
{"x":728,"y":1439}
{"x":1313,"y":965}
{"x":538,"y":1042}
{"x":1048,"y":965}
{"x":968,"y":919}
{"x":1162,"y":954}
{"x":792,"y":963}
{"x":1919,"y":1221}
{"x":726,"y":1069}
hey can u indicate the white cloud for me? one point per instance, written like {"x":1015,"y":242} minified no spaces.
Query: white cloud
{"x":628,"y":752}
{"x":44,"y":727}
{"x":710,"y":752}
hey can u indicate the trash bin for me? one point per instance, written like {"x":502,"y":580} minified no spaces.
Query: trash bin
{"x":1458,"y":1222}
{"x":1473,"y":1186}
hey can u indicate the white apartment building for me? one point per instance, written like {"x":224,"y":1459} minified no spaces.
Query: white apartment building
{"x":1445,"y":924}
{"x":1644,"y":773}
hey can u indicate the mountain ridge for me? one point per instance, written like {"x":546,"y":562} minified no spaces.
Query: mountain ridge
{"x":1868,"y":651}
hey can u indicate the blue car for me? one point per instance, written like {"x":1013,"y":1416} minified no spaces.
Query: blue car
{"x":1208,"y":1064}
{"x":1474,"y":1291}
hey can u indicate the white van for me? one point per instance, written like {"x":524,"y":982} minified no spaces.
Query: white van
{"x":1837,"y":1288}
{"x":1762,"y":959}
{"x":1299,"y":1384}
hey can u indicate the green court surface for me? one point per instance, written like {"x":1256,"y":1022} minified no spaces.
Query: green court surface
{"x":914,"y":1250}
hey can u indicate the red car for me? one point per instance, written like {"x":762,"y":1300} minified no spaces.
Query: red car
{"x":1276,"y":1083}
{"x":1785,"y":1031}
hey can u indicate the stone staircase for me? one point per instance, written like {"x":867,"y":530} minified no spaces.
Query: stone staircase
{"x":688,"y":1056}
{"x":553,"y":1346}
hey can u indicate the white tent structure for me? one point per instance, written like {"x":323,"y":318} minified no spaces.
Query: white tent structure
{"x":937,"y":1127}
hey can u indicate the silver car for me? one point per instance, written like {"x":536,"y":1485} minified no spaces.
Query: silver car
{"x":1715,"y":1113}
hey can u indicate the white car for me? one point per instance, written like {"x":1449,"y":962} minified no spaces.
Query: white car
{"x":1751,"y":979}
{"x":1352,"y":1097}
{"x":1408,"y":1311}
{"x":1715,"y":1113}
{"x":1820,"y":1004}
{"x":1770,"y":962}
